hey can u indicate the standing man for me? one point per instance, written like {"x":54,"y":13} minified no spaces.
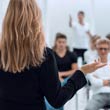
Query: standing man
{"x":82,"y":34}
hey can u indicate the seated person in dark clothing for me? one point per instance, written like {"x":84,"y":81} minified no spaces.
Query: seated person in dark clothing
{"x":66,"y":60}
{"x":28,"y":71}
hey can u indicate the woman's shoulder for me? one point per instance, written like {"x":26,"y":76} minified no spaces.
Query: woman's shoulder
{"x":49,"y":54}
{"x":49,"y":61}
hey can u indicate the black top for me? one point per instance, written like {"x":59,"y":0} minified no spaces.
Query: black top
{"x":65,"y":63}
{"x":26,"y":90}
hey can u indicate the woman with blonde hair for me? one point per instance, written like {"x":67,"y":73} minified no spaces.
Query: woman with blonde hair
{"x":28,"y":70}
{"x":91,"y":53}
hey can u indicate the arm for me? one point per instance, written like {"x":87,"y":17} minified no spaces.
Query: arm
{"x":74,"y":66}
{"x":95,"y":81}
{"x":87,"y":29}
{"x":105,"y":82}
{"x":51,"y":86}
{"x":89,"y":34}
{"x":70,"y":72}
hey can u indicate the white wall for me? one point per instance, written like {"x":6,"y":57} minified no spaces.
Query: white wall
{"x":4,"y":4}
{"x":43,"y":7}
{"x":56,"y":16}
{"x":102,"y":16}
{"x":3,"y":7}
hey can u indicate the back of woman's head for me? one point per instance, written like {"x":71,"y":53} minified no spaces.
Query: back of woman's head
{"x":22,"y":42}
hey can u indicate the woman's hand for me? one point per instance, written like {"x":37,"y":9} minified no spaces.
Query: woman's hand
{"x":89,"y":68}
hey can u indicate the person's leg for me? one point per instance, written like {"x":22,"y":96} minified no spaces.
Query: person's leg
{"x":77,"y":52}
{"x":49,"y":107}
{"x":97,"y":102}
{"x":80,"y":53}
{"x":83,"y":51}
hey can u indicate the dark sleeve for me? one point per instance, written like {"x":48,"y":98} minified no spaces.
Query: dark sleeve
{"x":73,"y":57}
{"x":50,"y":85}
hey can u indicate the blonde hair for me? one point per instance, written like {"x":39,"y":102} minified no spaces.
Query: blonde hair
{"x":103,"y":41}
{"x":95,"y":38}
{"x":22,"y":42}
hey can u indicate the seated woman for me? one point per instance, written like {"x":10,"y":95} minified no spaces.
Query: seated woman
{"x":66,"y":60}
{"x":28,"y":70}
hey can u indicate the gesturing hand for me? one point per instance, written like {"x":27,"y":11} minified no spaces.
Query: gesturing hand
{"x":89,"y":68}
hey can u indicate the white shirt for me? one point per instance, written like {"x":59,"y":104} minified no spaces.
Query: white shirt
{"x":96,"y":80}
{"x":90,"y":56}
{"x":109,"y":56}
{"x":81,"y":39}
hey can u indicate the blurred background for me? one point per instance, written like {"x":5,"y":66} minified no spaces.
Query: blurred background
{"x":56,"y":16}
